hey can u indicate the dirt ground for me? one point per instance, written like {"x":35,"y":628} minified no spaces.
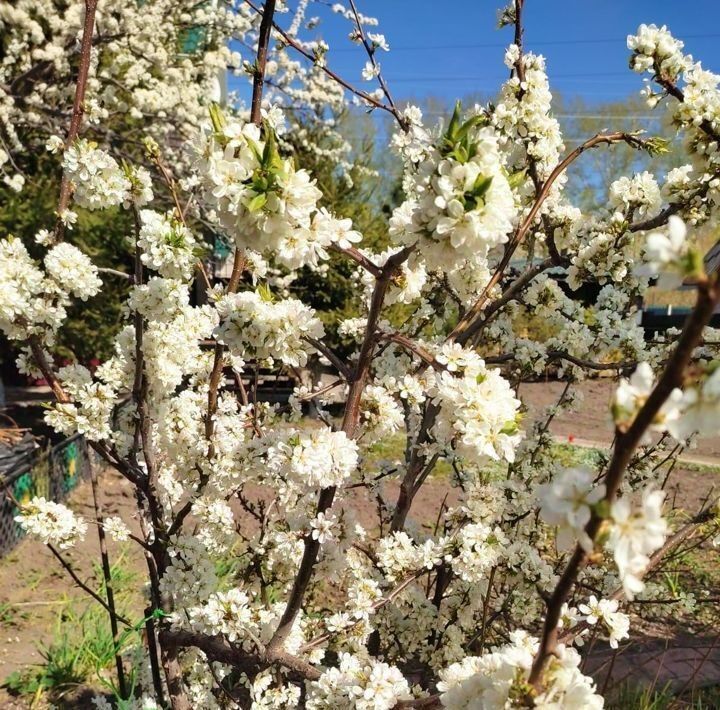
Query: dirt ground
{"x":35,"y":588}
{"x":591,"y":420}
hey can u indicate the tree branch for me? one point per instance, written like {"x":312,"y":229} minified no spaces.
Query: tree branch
{"x":626,"y":443}
{"x":78,"y":107}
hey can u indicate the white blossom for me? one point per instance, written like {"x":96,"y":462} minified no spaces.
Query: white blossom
{"x":52,"y":523}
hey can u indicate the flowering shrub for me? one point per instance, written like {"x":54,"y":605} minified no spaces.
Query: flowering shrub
{"x":488,"y":608}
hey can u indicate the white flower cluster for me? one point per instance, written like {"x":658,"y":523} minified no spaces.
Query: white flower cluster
{"x":670,"y":255}
{"x":631,"y":394}
{"x":523,"y":116}
{"x":700,"y":407}
{"x":399,"y":555}
{"x":91,"y":407}
{"x":406,"y":287}
{"x":479,"y":549}
{"x":654,"y":48}
{"x":478,"y":411}
{"x":254,"y":325}
{"x":636,"y":532}
{"x":460,"y":205}
{"x":52,"y":523}
{"x":358,"y":684}
{"x":98,"y":181}
{"x":567,"y":501}
{"x":167,"y":245}
{"x":322,"y":458}
{"x":72,"y":271}
{"x":262,"y":200}
{"x":658,"y":53}
{"x":496,"y":679}
{"x":638,"y":195}
{"x":116,"y":528}
{"x":35,"y":302}
{"x":605,"y":611}
{"x":227,"y":613}
{"x":380,"y":412}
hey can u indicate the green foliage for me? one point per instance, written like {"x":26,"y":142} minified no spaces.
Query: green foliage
{"x":10,"y":615}
{"x":638,"y":698}
{"x":82,"y":646}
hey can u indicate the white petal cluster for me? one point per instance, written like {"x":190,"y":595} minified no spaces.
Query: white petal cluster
{"x":98,"y":181}
{"x":167,"y":245}
{"x":159,"y":300}
{"x":639,"y":195}
{"x":523,"y":116}
{"x":52,"y":523}
{"x":460,"y":205}
{"x":253,"y":325}
{"x":399,"y":555}
{"x":228,"y":613}
{"x":699,"y":407}
{"x":380,"y":412}
{"x":322,"y":458}
{"x":605,"y":611}
{"x":654,"y":48}
{"x":478,"y":414}
{"x":262,"y":200}
{"x":23,"y":295}
{"x":631,"y":394}
{"x":322,"y":527}
{"x":636,"y":532}
{"x":697,"y":115}
{"x":72,"y":271}
{"x":497,"y":679}
{"x":668,"y":254}
{"x":480,"y":547}
{"x":90,"y":408}
{"x":116,"y":528}
{"x":566,"y":501}
{"x":406,"y":287}
{"x":358,"y":684}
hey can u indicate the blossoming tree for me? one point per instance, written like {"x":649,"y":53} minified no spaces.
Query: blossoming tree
{"x":489,"y":607}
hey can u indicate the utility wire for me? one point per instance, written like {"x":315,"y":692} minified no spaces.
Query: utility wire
{"x":495,"y":45}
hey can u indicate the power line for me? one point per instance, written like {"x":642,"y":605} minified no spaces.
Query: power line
{"x":500,"y":45}
{"x":606,"y":117}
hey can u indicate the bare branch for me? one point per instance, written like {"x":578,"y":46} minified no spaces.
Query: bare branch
{"x":362,"y":94}
{"x":78,"y":106}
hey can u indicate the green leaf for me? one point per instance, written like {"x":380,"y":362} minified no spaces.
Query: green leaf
{"x":217,"y":118}
{"x":517,"y":178}
{"x":602,"y":509}
{"x":257,"y":202}
{"x":263,"y":290}
{"x":452,"y":130}
{"x":255,"y":149}
{"x":510,"y":428}
{"x":271,"y":159}
{"x":472,"y":122}
{"x":481,"y":186}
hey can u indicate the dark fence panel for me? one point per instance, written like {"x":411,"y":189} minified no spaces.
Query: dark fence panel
{"x":51,"y":474}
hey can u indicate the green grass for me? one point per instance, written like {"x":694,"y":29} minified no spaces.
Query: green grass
{"x":81,"y":649}
{"x":567,"y":455}
{"x":628,"y":698}
{"x":392,"y":448}
{"x":10,"y":615}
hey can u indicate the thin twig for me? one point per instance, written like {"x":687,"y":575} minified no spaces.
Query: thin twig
{"x":78,"y":107}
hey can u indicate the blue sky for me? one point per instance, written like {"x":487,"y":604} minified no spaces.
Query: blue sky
{"x":450,"y":49}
